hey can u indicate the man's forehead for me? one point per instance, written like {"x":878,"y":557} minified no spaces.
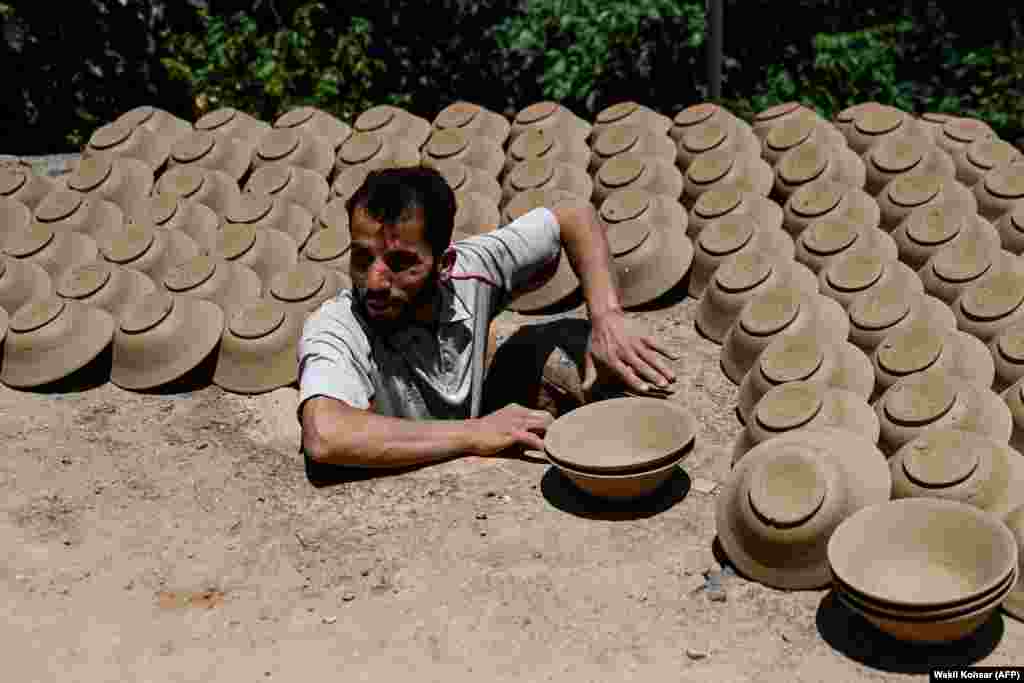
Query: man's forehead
{"x":407,"y":233}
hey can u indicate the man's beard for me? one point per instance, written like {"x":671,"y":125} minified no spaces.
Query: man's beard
{"x":409,"y":308}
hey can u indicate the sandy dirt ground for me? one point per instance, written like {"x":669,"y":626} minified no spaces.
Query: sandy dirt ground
{"x":179,"y":537}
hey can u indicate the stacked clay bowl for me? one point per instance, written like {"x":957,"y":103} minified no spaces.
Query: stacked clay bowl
{"x":731,"y":200}
{"x":829,"y":199}
{"x":544,"y":143}
{"x":905,"y":193}
{"x":904,"y":155}
{"x":728,"y":236}
{"x":862,"y":270}
{"x":607,"y":457}
{"x":828,"y":240}
{"x":923,"y":569}
{"x":786,"y":497}
{"x":717,"y":134}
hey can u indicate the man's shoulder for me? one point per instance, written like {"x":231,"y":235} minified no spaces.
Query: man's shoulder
{"x":336,"y":317}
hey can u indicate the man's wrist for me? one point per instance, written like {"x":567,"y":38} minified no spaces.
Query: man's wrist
{"x":599,"y":313}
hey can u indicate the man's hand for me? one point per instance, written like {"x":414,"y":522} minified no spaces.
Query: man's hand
{"x":511,"y":426}
{"x":615,"y":352}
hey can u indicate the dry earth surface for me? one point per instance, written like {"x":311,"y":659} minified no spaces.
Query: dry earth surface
{"x":179,"y":537}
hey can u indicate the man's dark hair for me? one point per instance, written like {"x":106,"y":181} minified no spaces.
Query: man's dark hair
{"x":388,"y":195}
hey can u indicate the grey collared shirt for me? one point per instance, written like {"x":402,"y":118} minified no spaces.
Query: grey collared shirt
{"x":416,"y":372}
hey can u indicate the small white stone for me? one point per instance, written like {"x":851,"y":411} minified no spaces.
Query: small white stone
{"x":706,"y":486}
{"x":330,"y":620}
{"x":696,"y":654}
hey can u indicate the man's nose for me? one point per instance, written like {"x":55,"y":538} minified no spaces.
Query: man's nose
{"x":379,"y":276}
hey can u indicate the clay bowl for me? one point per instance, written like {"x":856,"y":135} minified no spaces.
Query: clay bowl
{"x":258,"y":349}
{"x":767,"y":119}
{"x":474,"y":120}
{"x":728,"y":200}
{"x":270,"y":212}
{"x":992,"y":304}
{"x":22,"y":281}
{"x":15,"y":218}
{"x":551,"y":116}
{"x":864,"y":270}
{"x":876,"y":314}
{"x":228,"y":284}
{"x":741,"y":278}
{"x":827,"y":240}
{"x":532,"y":199}
{"x":124,"y":182}
{"x":215,"y":189}
{"x":1000,"y":190}
{"x":778,"y":312}
{"x":25,"y":186}
{"x":1011,"y":229}
{"x":637,"y":172}
{"x":726,"y":167}
{"x":167,"y":127}
{"x":902,"y":553}
{"x":920,"y":347}
{"x":231,"y":122}
{"x":903,"y":155}
{"x":704,"y":114}
{"x":295,"y":148}
{"x":811,"y":162}
{"x":229,"y":155}
{"x":395,"y":123}
{"x":171,"y":212}
{"x":935,"y":398}
{"x":811,"y":357}
{"x":56,"y":251}
{"x":907,"y":193}
{"x":475,"y":214}
{"x":981,"y":156}
{"x":105,"y":286}
{"x":1007,"y":351}
{"x":70,"y":211}
{"x":716,"y":136}
{"x":730,"y":235}
{"x":783,"y":500}
{"x":375,"y":151}
{"x":795,"y":131}
{"x":465,"y":180}
{"x":956,"y":465}
{"x":294,"y":184}
{"x":305,"y":287}
{"x":621,"y":487}
{"x":875,"y":124}
{"x":147,"y":249}
{"x":959,"y":132}
{"x":267,"y":251}
{"x":630,"y":114}
{"x":453,"y":144}
{"x":829,"y":199}
{"x":595,"y":439}
{"x":316,"y":122}
{"x":805,"y":405}
{"x":1013,"y":397}
{"x":1014,"y":602}
{"x":959,"y":265}
{"x":543,"y":143}
{"x":545,"y":174}
{"x":845,"y":119}
{"x":928,"y":229}
{"x":124,"y":141}
{"x":630,"y":139}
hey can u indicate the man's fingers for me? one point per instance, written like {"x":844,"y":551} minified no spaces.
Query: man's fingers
{"x":658,"y":364}
{"x":530,"y":440}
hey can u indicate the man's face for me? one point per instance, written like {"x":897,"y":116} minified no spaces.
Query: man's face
{"x":392,"y":266}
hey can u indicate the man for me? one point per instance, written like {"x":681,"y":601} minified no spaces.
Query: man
{"x":387,"y":369}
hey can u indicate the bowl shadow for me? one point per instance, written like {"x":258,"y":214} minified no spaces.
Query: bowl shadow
{"x":196,"y":379}
{"x":562,"y":494}
{"x":93,"y":375}
{"x":679,"y":292}
{"x":853,"y":636}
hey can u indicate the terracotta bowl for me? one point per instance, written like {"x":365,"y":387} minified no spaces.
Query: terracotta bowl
{"x":620,"y":487}
{"x":956,"y":465}
{"x":873,"y":125}
{"x":827,"y":240}
{"x":922,"y":346}
{"x":703,"y":114}
{"x":767,"y":119}
{"x":1007,"y":350}
{"x":864,"y":270}
{"x":922,"y":552}
{"x":1011,"y":229}
{"x":452,"y":144}
{"x":957,"y":266}
{"x":630,"y":114}
{"x":637,"y":172}
{"x":805,"y":405}
{"x":544,"y":143}
{"x":318,"y":122}
{"x":876,"y":314}
{"x":928,"y":229}
{"x":551,"y":116}
{"x":903,"y":155}
{"x":475,"y":120}
{"x":810,"y":357}
{"x":1000,"y":190}
{"x":959,"y":132}
{"x":992,"y":304}
{"x":904,"y":194}
{"x":981,"y":156}
{"x":797,"y":130}
{"x":741,"y":278}
{"x":730,"y":235}
{"x":732,"y":199}
{"x":545,"y":174}
{"x":715,"y":136}
{"x":231,"y":122}
{"x":845,"y":119}
{"x":726,"y":167}
{"x":940,"y":613}
{"x":630,"y":139}
{"x":1014,"y":602}
{"x":829,"y":199}
{"x":466,"y":180}
{"x":230,"y":155}
{"x":394,"y":123}
{"x":935,"y":399}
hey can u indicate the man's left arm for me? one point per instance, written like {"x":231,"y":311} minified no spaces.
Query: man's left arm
{"x":635,"y":359}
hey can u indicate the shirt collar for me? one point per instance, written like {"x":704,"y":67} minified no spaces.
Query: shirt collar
{"x":452,"y":310}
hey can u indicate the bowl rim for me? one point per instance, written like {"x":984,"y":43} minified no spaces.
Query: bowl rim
{"x":626,"y":476}
{"x":936,"y":610}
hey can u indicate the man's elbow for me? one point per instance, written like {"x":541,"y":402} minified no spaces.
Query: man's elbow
{"x":321,"y":441}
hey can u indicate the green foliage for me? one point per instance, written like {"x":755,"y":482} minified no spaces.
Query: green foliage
{"x":576,"y":39}
{"x":996,"y":95}
{"x":233,"y":62}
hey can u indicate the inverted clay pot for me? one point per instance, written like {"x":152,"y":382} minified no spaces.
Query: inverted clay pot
{"x":730,"y":167}
{"x":630,"y":114}
{"x":545,"y":174}
{"x":992,"y":304}
{"x":453,"y":144}
{"x":876,"y":314}
{"x":829,"y":199}
{"x":228,"y":284}
{"x":907,"y":193}
{"x":124,"y":141}
{"x":543,"y":143}
{"x":730,"y":235}
{"x":25,"y":186}
{"x":215,"y":189}
{"x":811,"y":162}
{"x":198,"y":221}
{"x":876,"y":124}
{"x":122,"y":181}
{"x":715,"y":136}
{"x":295,"y":148}
{"x":630,"y":139}
{"x":921,"y":347}
{"x":901,"y":156}
{"x":827,"y":240}
{"x":395,"y":123}
{"x":1000,"y":190}
{"x":960,"y":132}
{"x":637,"y":172}
{"x":732,"y":199}
{"x":298,"y":185}
{"x":227,"y":154}
{"x":863,"y":270}
{"x":269,"y":212}
{"x":70,"y":211}
{"x":106,"y":286}
{"x":552,"y":116}
{"x":981,"y":156}
{"x":474,"y":120}
{"x":316,"y":122}
{"x":929,"y":229}
{"x":231,"y":122}
{"x":466,"y":180}
{"x":373,"y":151}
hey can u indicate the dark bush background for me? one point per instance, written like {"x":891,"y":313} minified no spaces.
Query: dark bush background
{"x":69,"y":71}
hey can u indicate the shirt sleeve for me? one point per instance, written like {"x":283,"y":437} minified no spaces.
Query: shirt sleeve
{"x":334,"y":357}
{"x":512,"y":256}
